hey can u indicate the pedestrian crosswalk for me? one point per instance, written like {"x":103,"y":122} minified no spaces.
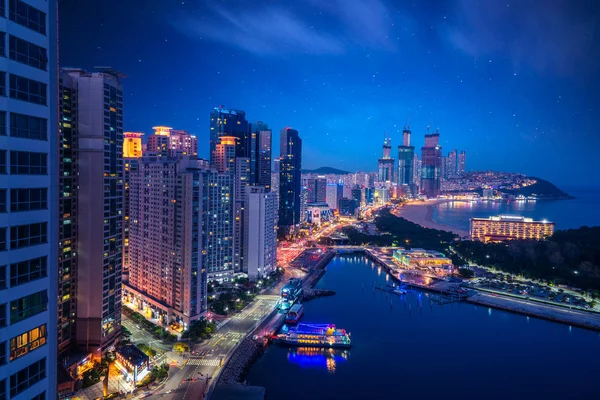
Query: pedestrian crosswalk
{"x":203,"y":362}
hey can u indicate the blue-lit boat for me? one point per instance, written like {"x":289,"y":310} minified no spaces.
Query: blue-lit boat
{"x":315,"y":335}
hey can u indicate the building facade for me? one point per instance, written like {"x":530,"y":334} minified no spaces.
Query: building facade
{"x":132,"y":152}
{"x":224,"y":122}
{"x":462,"y":163}
{"x":431,"y":158}
{"x":333,"y":193}
{"x":507,"y":227}
{"x":167,"y":280}
{"x":99,"y":158}
{"x":406,"y":159}
{"x":385,"y":170}
{"x":28,"y":200}
{"x":290,"y":177}
{"x":260,"y":247}
{"x":317,"y":189}
{"x":451,"y":164}
{"x":260,"y":157}
{"x":430,"y":261}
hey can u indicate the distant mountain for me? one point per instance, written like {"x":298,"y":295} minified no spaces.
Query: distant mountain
{"x":325,"y":171}
{"x":542,"y":189}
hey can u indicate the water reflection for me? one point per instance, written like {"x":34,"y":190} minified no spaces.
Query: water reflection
{"x":314,"y":357}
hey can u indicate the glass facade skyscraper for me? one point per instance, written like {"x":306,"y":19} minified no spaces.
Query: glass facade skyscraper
{"x":260,"y":155}
{"x":431,"y":158}
{"x":224,"y":122}
{"x":290,"y":177}
{"x":406,"y":160}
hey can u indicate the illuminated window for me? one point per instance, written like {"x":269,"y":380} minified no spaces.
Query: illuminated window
{"x":28,"y":341}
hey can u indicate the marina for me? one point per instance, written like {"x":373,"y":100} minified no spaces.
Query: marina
{"x":389,"y":343}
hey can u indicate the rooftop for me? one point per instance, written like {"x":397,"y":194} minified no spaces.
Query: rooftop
{"x":511,"y":218}
{"x":133,"y":354}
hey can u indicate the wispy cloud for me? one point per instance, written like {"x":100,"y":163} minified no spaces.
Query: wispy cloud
{"x":549,"y":36}
{"x":308,"y":26}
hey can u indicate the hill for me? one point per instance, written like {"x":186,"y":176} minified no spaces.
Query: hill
{"x":542,"y":189}
{"x":325,"y":171}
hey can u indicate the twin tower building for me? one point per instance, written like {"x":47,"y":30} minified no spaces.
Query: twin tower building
{"x":419,"y":176}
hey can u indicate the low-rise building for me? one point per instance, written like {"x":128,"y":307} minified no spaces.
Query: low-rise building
{"x":133,"y":363}
{"x":509,"y":227}
{"x":425,"y":260}
{"x":317,"y":213}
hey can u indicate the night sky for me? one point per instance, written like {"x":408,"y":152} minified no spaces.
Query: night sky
{"x":515,"y":83}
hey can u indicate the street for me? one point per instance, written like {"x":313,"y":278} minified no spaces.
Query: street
{"x":210,"y":354}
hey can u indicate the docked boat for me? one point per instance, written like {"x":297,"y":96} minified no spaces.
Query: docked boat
{"x":295,"y":313}
{"x":399,"y":290}
{"x":315,"y":335}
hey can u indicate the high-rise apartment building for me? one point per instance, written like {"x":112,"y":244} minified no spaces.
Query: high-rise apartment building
{"x":68,"y":186}
{"x":132,"y":144}
{"x":462,"y":162}
{"x":132,"y":152}
{"x":226,"y":162}
{"x":167,"y":279}
{"x":451,"y":164}
{"x":334,"y":192}
{"x":159,"y":141}
{"x":290,"y":176}
{"x":357,"y":195}
{"x":224,"y":122}
{"x":431,"y":158}
{"x":386,"y":163}
{"x":241,"y":184}
{"x":275,"y":176}
{"x":183,"y":143}
{"x":508,"y":227}
{"x":317,"y":189}
{"x":28,"y":200}
{"x":406,"y":159}
{"x":219,"y":225}
{"x":98,"y":125}
{"x":417,"y":170}
{"x":167,"y":141}
{"x":260,"y":246}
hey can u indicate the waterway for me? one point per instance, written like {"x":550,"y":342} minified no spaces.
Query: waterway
{"x":566,"y":214}
{"x":411,"y":347}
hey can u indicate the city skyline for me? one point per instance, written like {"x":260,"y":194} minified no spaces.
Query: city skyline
{"x":488,"y":91}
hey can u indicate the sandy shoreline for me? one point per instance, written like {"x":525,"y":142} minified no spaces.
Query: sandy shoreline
{"x":420,"y":213}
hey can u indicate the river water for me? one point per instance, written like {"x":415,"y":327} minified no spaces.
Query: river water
{"x":410,"y":347}
{"x":566,"y":214}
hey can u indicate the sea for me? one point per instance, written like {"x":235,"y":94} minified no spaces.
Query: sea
{"x":411,"y":347}
{"x":583,"y":210}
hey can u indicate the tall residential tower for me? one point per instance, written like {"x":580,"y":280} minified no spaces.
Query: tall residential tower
{"x":406,"y":159}
{"x":386,"y":163}
{"x":98,"y":126}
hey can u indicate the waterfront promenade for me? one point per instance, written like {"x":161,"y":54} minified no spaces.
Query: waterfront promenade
{"x":574,"y":317}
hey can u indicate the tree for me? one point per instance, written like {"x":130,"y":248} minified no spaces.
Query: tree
{"x":181,"y":347}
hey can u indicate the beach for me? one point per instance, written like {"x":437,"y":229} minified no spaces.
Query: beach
{"x":420,"y":213}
